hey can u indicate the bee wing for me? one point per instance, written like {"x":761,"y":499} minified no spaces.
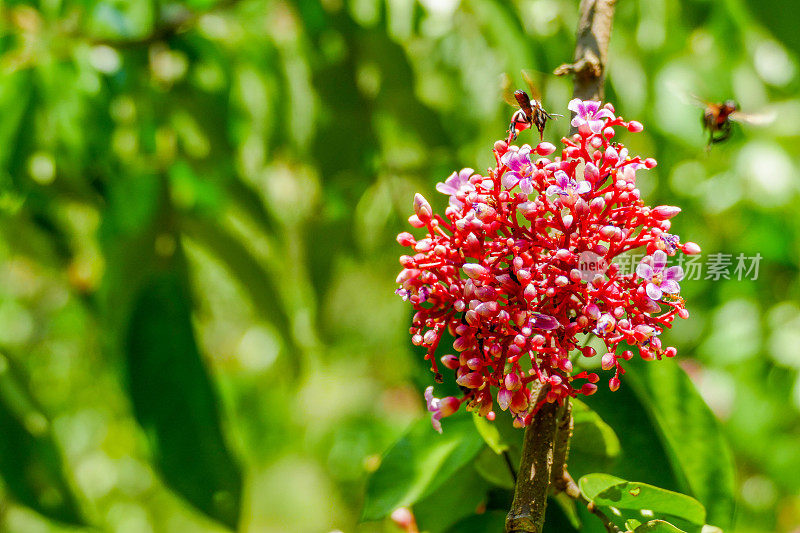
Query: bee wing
{"x":753,"y":119}
{"x":507,"y":90}
{"x":685,"y":96}
{"x":528,"y":77}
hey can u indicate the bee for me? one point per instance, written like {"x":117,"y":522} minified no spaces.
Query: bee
{"x":718,"y":119}
{"x":530,"y":111}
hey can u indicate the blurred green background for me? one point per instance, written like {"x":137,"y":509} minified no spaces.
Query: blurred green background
{"x":199,"y":201}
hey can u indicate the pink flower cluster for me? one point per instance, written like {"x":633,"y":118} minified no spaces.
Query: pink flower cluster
{"x":505,"y":271}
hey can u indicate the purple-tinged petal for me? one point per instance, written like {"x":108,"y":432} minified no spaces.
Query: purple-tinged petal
{"x":644,"y":271}
{"x":445,"y":188}
{"x":510,"y":180}
{"x":576,"y":122}
{"x":591,"y":107}
{"x":465,"y":173}
{"x":575,"y":105}
{"x":673,"y":273}
{"x":553,"y":190}
{"x":604,"y":113}
{"x":562,"y":180}
{"x":583,"y":187}
{"x":596,"y":125}
{"x":659,"y":260}
{"x":544,"y":322}
{"x":526,"y":185}
{"x":670,"y":286}
{"x":653,"y":292}
{"x":435,"y":421}
{"x":433,"y":403}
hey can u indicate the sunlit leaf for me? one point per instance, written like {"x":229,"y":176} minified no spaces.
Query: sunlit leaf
{"x":657,"y":526}
{"x":420,"y":462}
{"x":608,"y":491}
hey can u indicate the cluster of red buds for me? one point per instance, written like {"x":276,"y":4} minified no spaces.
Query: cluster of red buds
{"x":520,"y":271}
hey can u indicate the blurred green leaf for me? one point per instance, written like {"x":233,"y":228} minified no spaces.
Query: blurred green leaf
{"x":643,"y":455}
{"x":594,"y":445}
{"x":30,"y":462}
{"x":490,"y":433}
{"x":695,"y":444}
{"x":420,"y":462}
{"x":488,"y":522}
{"x":175,"y":403}
{"x":493,"y":468}
{"x":461,"y":496}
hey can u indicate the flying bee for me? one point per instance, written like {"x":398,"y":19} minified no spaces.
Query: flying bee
{"x":718,"y":118}
{"x":530,"y":112}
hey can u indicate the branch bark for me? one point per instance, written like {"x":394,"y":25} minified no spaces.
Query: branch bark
{"x":591,"y":49}
{"x":533,"y":482}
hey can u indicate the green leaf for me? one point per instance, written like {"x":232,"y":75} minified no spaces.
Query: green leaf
{"x":30,"y":461}
{"x":175,"y":403}
{"x":494,"y":469}
{"x":593,"y":484}
{"x":657,"y":526}
{"x":489,"y":522}
{"x":461,"y":496}
{"x":594,"y":446}
{"x":420,"y":462}
{"x":490,"y":433}
{"x":608,"y":491}
{"x":695,"y":444}
{"x":643,"y":456}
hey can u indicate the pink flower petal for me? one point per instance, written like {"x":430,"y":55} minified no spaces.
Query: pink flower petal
{"x":583,"y":187}
{"x":653,"y":292}
{"x":510,"y":180}
{"x":644,"y":271}
{"x":575,"y":105}
{"x":562,"y":180}
{"x":673,"y":273}
{"x":670,"y":286}
{"x":659,"y":260}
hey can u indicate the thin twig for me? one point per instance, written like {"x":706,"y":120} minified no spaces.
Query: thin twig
{"x":510,"y":464}
{"x":591,"y":49}
{"x":570,"y":488}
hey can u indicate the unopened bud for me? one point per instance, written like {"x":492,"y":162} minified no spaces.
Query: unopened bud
{"x":690,"y":248}
{"x":422,"y":208}
{"x":504,"y":398}
{"x":406,"y":239}
{"x":545,"y":148}
{"x":474,"y":270}
{"x":635,"y":127}
{"x":471,"y":380}
{"x":609,"y":361}
{"x":664,"y":212}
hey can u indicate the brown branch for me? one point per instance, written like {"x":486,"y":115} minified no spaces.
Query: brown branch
{"x":530,"y":493}
{"x":561,"y":454}
{"x":591,"y":49}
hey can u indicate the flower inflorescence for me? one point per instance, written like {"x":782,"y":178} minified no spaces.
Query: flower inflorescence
{"x":501,"y":272}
